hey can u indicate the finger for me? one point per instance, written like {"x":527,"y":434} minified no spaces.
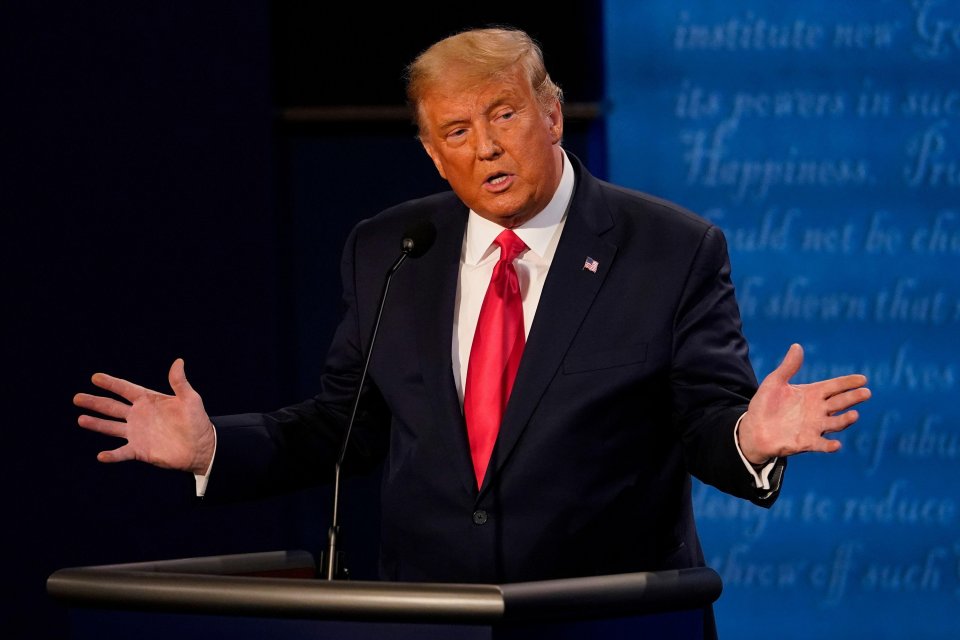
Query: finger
{"x":119,"y":454}
{"x":790,"y":365}
{"x":106,"y":406}
{"x":845,"y":400}
{"x":839,"y":422}
{"x":834,"y":386}
{"x":178,"y":378}
{"x":107,"y":427}
{"x":826,"y":445}
{"x":118,"y":386}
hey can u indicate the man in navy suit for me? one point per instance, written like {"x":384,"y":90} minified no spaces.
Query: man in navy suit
{"x":633,"y":374}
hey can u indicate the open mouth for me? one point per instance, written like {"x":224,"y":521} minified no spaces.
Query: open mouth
{"x":498,"y":181}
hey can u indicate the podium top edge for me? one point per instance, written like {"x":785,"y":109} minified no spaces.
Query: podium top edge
{"x":204,"y":585}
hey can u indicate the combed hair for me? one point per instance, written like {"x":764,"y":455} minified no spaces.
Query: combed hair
{"x":478,"y":55}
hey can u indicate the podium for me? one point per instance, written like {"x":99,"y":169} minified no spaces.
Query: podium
{"x":273,"y":595}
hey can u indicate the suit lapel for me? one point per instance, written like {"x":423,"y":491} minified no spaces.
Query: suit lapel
{"x":436,"y":278}
{"x":567,"y":295}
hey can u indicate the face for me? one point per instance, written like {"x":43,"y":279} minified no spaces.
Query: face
{"x":495,"y":145}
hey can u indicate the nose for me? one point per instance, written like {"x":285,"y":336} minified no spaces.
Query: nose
{"x":487,"y":146}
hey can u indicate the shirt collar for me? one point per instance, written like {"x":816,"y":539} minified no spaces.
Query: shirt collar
{"x":535,"y":232}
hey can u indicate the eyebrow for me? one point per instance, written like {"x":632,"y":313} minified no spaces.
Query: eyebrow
{"x":450,"y":123}
{"x":498,"y":101}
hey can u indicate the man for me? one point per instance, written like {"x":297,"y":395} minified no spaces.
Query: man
{"x":546,"y":377}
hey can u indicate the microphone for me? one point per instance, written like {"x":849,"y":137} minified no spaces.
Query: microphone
{"x":417,"y":240}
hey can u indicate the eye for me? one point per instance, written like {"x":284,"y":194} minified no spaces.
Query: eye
{"x":508,"y":115}
{"x":457,"y":133}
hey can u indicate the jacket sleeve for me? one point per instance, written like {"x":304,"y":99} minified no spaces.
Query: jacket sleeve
{"x":712,"y":379}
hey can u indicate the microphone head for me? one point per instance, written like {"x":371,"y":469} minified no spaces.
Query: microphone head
{"x":418,"y":238}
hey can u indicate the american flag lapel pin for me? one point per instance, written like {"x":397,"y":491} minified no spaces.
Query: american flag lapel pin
{"x":590,"y":264}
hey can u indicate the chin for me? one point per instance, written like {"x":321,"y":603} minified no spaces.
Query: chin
{"x":515,"y":216}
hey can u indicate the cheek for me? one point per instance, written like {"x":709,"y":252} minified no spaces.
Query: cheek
{"x":460,"y":169}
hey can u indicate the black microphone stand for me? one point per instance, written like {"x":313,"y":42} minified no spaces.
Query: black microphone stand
{"x":415,"y":243}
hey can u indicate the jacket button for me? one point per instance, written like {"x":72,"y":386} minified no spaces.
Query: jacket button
{"x":480,"y":516}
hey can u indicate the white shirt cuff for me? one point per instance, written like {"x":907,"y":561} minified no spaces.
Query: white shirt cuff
{"x":201,"y":480}
{"x":760,"y":476}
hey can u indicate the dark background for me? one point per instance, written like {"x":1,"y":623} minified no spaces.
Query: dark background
{"x":161,"y":199}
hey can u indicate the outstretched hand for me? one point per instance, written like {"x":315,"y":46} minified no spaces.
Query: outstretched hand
{"x":784,"y":419}
{"x":173,"y":432}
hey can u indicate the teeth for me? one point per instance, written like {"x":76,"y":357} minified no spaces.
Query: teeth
{"x":498,"y":179}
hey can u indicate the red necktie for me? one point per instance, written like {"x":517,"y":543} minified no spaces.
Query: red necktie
{"x":495,"y":354}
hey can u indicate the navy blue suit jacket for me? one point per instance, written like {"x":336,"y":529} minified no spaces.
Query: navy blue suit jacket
{"x":632,"y":379}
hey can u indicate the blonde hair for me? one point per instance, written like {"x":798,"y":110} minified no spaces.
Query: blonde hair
{"x":478,"y":55}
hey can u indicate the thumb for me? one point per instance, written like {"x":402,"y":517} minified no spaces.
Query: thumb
{"x":790,"y":365}
{"x":178,"y":378}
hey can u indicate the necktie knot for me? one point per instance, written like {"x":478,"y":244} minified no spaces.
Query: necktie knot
{"x":510,"y":245}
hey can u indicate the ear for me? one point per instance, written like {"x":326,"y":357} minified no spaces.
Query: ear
{"x":432,"y":152}
{"x":555,"y":122}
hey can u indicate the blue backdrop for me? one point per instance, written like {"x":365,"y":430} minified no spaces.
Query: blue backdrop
{"x":823,"y":138}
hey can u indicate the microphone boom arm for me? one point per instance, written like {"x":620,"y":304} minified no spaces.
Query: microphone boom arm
{"x":417,"y":240}
{"x":334,"y":531}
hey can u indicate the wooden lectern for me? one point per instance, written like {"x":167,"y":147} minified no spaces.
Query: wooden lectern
{"x":271,"y":595}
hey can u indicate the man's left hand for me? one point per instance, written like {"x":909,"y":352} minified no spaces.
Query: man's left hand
{"x":784,"y":419}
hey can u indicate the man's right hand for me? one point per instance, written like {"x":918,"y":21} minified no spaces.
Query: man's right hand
{"x":173,"y":432}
